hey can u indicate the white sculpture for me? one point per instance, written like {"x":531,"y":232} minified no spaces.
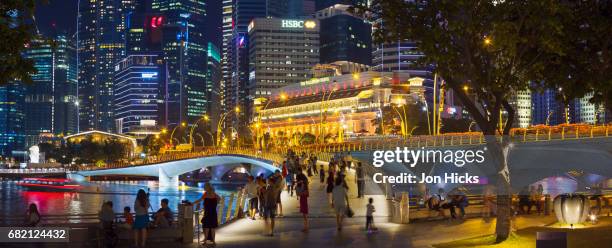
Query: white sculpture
{"x":34,"y":155}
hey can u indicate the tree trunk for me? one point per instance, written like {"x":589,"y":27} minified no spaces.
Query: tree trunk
{"x":499,"y":153}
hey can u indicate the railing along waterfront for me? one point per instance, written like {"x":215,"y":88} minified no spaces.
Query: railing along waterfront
{"x":532,"y":134}
{"x":229,"y":208}
{"x":34,"y":171}
{"x":207,"y":151}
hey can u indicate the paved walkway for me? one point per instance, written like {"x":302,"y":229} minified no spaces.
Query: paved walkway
{"x":323,"y":233}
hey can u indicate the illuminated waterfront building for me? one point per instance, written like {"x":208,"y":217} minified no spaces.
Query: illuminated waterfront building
{"x":227,"y":25}
{"x":336,"y":106}
{"x":100,"y":38}
{"x":322,"y":4}
{"x":138,"y":100}
{"x":281,"y":52}
{"x":184,"y":48}
{"x":49,"y":104}
{"x":12,"y":117}
{"x":344,"y":37}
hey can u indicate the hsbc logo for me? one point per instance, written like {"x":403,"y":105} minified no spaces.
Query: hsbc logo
{"x":292,"y":24}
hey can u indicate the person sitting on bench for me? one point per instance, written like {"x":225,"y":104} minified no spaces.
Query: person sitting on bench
{"x":163,"y":216}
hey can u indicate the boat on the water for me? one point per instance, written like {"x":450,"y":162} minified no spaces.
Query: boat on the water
{"x":49,"y":184}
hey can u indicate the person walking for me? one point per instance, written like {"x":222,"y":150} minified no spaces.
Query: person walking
{"x":260,"y":195}
{"x":271,"y":194}
{"x":360,"y":180}
{"x":302,"y":192}
{"x":251,"y":189}
{"x":290,"y":184}
{"x":209,"y":220}
{"x":141,"y":207}
{"x":340,"y":201}
{"x":322,"y":175}
{"x":330,"y":186}
{"x":370,"y":215}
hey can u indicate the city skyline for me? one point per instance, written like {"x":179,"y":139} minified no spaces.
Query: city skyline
{"x":243,"y":72}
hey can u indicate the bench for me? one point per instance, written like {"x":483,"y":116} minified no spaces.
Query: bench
{"x":420,"y":210}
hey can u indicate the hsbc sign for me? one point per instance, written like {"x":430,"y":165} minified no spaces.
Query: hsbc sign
{"x":292,"y":24}
{"x":297,"y":24}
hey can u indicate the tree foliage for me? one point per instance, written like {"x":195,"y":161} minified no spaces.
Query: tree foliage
{"x":16,"y":32}
{"x":497,"y":48}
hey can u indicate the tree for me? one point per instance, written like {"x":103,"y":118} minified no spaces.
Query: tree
{"x":17,"y":31}
{"x":494,"y":48}
{"x":152,"y":144}
{"x":308,"y":139}
{"x":415,"y":123}
{"x":584,"y":63}
{"x":114,"y":150}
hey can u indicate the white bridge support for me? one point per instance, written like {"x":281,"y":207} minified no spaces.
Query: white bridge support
{"x":167,"y":181}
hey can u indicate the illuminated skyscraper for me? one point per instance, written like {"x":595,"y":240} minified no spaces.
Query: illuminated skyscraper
{"x":227,"y":25}
{"x":184,"y":48}
{"x":139,"y":85}
{"x":344,"y":37}
{"x":50,"y":100}
{"x":12,"y":132}
{"x":100,"y":30}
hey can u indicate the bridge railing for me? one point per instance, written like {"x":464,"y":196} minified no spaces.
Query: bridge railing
{"x":33,"y":171}
{"x":206,"y":151}
{"x":531,"y":134}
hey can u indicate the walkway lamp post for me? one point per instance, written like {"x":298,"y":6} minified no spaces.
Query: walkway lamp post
{"x":204,"y":118}
{"x":222,"y":121}
{"x":470,"y":127}
{"x":323,"y":110}
{"x":183,"y":124}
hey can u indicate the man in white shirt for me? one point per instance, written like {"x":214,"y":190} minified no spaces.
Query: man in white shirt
{"x":251,"y":189}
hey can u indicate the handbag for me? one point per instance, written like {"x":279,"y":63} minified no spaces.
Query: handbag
{"x":349,"y":212}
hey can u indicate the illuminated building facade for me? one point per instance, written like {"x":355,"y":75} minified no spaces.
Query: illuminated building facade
{"x":336,"y":106}
{"x":12,"y":118}
{"x":227,"y":25}
{"x":521,"y":102}
{"x":344,"y":37}
{"x":49,"y":104}
{"x":100,"y":38}
{"x":281,"y":52}
{"x":139,"y":86}
{"x":213,"y":82}
{"x":322,"y":4}
{"x":184,"y":48}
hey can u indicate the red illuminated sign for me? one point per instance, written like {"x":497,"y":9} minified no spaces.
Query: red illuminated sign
{"x":156,"y":21}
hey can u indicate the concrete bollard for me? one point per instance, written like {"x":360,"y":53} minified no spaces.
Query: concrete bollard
{"x":404,"y":209}
{"x":186,"y":218}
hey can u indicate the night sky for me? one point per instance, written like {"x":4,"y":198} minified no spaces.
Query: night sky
{"x":62,"y":14}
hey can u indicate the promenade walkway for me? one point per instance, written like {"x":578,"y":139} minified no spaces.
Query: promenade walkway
{"x":323,"y":233}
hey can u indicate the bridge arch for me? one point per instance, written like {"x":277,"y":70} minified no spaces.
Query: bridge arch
{"x":168,"y":172}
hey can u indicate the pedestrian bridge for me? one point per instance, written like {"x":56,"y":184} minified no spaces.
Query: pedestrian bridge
{"x":169,"y":171}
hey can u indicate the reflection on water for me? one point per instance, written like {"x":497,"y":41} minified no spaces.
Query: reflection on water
{"x":14,"y":199}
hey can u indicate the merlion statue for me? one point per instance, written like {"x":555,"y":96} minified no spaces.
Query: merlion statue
{"x":34,"y":155}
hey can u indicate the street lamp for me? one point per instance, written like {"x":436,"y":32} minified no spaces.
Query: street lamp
{"x":183,"y":124}
{"x":470,"y":127}
{"x":222,"y":120}
{"x":205,"y":118}
{"x":323,"y":107}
